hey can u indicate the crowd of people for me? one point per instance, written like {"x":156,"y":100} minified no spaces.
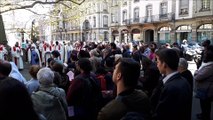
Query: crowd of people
{"x":104,"y":81}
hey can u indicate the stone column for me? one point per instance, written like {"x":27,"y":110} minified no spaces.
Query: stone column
{"x":194,"y":32}
{"x":129,"y":37}
{"x":155,"y":35}
{"x":120,"y":37}
{"x":110,"y":35}
{"x":141,"y":34}
{"x":173,"y":36}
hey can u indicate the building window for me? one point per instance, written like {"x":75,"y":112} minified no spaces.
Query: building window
{"x":105,"y":21}
{"x":86,"y":24}
{"x":94,"y":36}
{"x":149,"y":10}
{"x":124,"y":15}
{"x":113,"y":17}
{"x":205,"y":32}
{"x":94,"y":21}
{"x":114,"y":2}
{"x":163,"y":7}
{"x":205,"y":5}
{"x":105,"y":7}
{"x":106,"y":35}
{"x":125,"y":3}
{"x":184,"y":28}
{"x":136,"y":0}
{"x":164,"y":35}
{"x":165,"y":29}
{"x":184,"y":7}
{"x":136,"y":14}
{"x":206,"y":27}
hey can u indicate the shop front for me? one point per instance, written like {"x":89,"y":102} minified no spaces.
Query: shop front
{"x":183,"y":32}
{"x":205,"y":32}
{"x":164,"y":35}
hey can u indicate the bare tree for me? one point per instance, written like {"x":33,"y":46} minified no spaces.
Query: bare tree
{"x":8,"y":6}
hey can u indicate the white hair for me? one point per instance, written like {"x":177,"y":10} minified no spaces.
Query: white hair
{"x":183,"y":63}
{"x":93,"y":52}
{"x":45,"y":76}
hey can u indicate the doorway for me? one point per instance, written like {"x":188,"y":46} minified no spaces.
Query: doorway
{"x":183,"y":35}
{"x":149,"y":36}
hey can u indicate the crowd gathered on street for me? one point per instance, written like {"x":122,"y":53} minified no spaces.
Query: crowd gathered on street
{"x":103,"y":81}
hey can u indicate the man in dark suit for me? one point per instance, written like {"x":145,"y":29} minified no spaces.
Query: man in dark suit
{"x":174,"y":98}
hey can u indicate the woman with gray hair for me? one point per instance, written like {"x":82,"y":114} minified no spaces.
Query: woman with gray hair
{"x":184,"y":72}
{"x":183,"y":69}
{"x":49,"y":100}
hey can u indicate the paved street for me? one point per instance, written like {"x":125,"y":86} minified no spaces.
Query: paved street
{"x":25,"y":71}
{"x":192,"y":68}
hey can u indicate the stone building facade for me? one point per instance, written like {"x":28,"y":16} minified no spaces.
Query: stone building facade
{"x":87,"y":22}
{"x":161,"y":21}
{"x":164,"y":21}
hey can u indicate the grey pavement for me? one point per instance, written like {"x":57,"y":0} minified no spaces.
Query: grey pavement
{"x":25,"y":71}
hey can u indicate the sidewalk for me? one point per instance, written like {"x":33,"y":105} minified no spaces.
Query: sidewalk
{"x":25,"y":71}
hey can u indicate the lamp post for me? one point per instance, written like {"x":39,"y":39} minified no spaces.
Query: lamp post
{"x":22,"y":34}
{"x":32,"y":31}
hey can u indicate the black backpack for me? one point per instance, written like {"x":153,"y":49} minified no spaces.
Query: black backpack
{"x":92,"y":97}
{"x":95,"y":89}
{"x":131,"y":115}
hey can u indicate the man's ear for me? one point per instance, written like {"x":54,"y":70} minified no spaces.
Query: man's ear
{"x":164,"y":65}
{"x":118,"y":76}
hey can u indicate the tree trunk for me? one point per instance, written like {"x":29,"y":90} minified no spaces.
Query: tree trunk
{"x":3,"y":39}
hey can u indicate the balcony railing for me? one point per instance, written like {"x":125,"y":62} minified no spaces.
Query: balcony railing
{"x":75,"y":28}
{"x":126,"y":22}
{"x":114,"y":23}
{"x":150,"y":19}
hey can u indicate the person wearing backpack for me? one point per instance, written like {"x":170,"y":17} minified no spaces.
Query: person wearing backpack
{"x":128,"y":99}
{"x":84,"y":94}
{"x":49,"y":100}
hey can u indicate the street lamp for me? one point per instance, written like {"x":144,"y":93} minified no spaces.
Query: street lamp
{"x":32,"y":36}
{"x":22,"y":34}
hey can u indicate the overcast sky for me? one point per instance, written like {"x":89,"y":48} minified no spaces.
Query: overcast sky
{"x":23,"y":18}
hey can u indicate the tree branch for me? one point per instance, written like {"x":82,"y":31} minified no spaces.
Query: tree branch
{"x":65,"y":5}
{"x":41,"y":14}
{"x":38,"y":2}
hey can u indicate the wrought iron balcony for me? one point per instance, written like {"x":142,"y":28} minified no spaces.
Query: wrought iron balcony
{"x":164,"y":17}
{"x":151,"y":19}
{"x":75,"y":28}
{"x":114,"y":23}
{"x":126,"y":22}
